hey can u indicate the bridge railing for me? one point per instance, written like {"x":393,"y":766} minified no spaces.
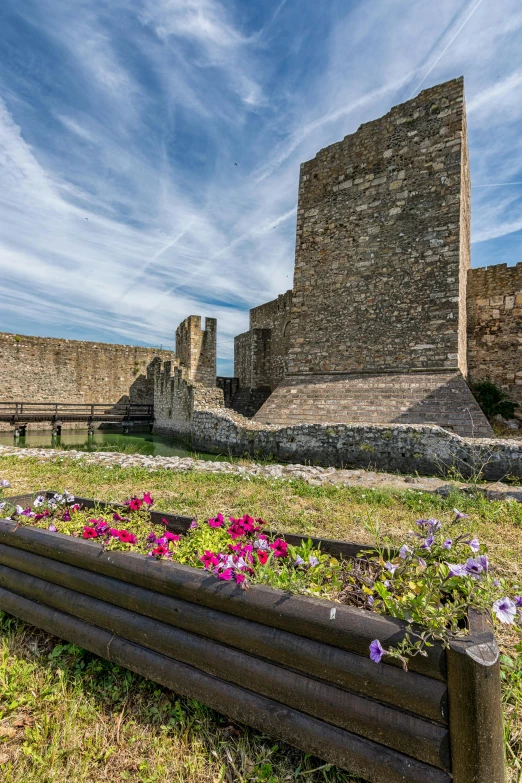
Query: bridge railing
{"x":54,"y":411}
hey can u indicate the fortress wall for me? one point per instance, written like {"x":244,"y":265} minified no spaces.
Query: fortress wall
{"x":495,"y":327}
{"x":45,"y":369}
{"x":383,"y":244}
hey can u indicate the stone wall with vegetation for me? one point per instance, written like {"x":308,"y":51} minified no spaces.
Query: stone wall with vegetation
{"x":495,"y":327}
{"x":45,"y":369}
{"x":404,"y":448}
{"x":176,"y":399}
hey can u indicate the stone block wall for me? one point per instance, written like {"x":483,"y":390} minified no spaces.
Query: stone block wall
{"x":45,"y":369}
{"x":424,"y":449}
{"x":275,"y":316}
{"x":196,"y":349}
{"x":495,"y":327}
{"x":176,"y":398}
{"x":382,"y":245}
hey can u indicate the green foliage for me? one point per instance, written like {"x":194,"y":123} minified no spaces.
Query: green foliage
{"x":493,"y":400}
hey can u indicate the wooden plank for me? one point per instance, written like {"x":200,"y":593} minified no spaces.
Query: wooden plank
{"x":406,"y":690}
{"x":424,"y":740}
{"x":325,"y":621}
{"x":475,"y":708}
{"x":362,"y":757}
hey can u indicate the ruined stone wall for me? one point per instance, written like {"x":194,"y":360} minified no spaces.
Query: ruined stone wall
{"x":495,"y":327}
{"x":383,"y":243}
{"x":176,"y":398}
{"x":423,"y":449}
{"x":274,"y":315}
{"x":45,"y":369}
{"x":196,"y":349}
{"x":243,"y":359}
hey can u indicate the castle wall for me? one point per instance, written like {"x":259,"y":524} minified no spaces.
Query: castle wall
{"x":196,"y":349}
{"x":495,"y":327}
{"x":176,"y":398}
{"x":383,"y":244}
{"x":45,"y":369}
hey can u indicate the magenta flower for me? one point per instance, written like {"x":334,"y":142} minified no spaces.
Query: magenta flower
{"x":75,"y":508}
{"x":262,"y":556}
{"x":151,"y":538}
{"x":116,"y":517}
{"x":66,"y":516}
{"x":194,"y":525}
{"x":217,"y":521}
{"x":172,"y":536}
{"x":160,"y":551}
{"x":279,"y":547}
{"x":114,"y":532}
{"x":376,"y":651}
{"x":239,"y":578}
{"x":226,"y":575}
{"x":134,"y":504}
{"x":89,"y":532}
{"x":147,"y":499}
{"x":209,"y":559}
{"x":505,"y":610}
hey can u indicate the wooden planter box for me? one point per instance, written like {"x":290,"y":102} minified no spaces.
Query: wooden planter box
{"x":291,"y":666}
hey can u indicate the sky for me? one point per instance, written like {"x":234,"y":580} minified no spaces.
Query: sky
{"x":150,"y":149}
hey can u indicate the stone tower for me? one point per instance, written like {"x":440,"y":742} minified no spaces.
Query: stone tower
{"x":196,"y":350}
{"x":378,"y":320}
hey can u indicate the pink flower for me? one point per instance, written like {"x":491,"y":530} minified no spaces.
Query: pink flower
{"x":52,"y":528}
{"x":148,"y":499}
{"x":226,"y":575}
{"x":194,"y":525}
{"x":116,"y":517}
{"x":114,"y":532}
{"x":126,"y":537}
{"x":209,"y":559}
{"x":172,"y":537}
{"x":217,"y":521}
{"x":89,"y":532}
{"x":239,"y":578}
{"x":75,"y":508}
{"x":280,"y":548}
{"x":66,"y":516}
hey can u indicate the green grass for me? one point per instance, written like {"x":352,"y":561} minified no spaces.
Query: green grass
{"x":67,"y":715}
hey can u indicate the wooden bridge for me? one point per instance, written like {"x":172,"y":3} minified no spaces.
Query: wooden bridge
{"x":19,"y":414}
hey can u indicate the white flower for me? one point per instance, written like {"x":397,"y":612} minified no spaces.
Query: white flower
{"x":19,"y":510}
{"x":39,"y":501}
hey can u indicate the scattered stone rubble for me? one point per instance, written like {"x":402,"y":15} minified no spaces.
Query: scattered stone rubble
{"x":313,"y":475}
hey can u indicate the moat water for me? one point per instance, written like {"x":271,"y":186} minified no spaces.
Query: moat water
{"x":103,"y":440}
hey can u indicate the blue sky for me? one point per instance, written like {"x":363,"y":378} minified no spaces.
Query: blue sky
{"x":121,"y":208}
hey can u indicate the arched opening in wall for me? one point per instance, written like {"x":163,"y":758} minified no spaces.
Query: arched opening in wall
{"x":286,"y":330}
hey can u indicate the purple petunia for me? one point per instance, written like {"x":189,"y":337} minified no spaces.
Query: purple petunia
{"x":474,"y":545}
{"x":518,"y":601}
{"x":390,"y":567}
{"x":459,"y":514}
{"x":376,"y":651}
{"x":447,"y":544}
{"x":313,"y":561}
{"x":404,"y":551}
{"x":505,"y":610}
{"x":4,"y":483}
{"x":474,"y":567}
{"x":457,"y":569}
{"x":428,"y":542}
{"x":52,"y":528}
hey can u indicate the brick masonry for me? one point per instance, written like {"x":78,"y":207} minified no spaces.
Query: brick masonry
{"x":414,"y":398}
{"x":495,"y":327}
